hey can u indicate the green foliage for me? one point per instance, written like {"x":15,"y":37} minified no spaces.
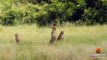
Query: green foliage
{"x":44,"y":12}
{"x":20,"y":14}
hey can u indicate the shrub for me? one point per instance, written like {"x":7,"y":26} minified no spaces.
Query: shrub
{"x":44,"y":12}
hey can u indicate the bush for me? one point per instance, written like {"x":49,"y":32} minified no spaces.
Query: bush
{"x":44,"y":12}
{"x":19,"y":15}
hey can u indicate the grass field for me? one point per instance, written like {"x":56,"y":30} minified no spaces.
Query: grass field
{"x":78,"y":44}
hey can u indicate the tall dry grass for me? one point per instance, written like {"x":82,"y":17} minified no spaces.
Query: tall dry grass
{"x":78,"y":44}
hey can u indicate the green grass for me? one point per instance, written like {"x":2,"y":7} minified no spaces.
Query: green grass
{"x":78,"y":44}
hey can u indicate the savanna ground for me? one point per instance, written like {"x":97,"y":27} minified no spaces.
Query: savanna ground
{"x":78,"y":44}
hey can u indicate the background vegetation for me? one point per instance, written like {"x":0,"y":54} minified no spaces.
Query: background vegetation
{"x":44,"y":12}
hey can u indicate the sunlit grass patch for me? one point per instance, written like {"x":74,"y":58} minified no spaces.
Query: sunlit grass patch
{"x":78,"y":44}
